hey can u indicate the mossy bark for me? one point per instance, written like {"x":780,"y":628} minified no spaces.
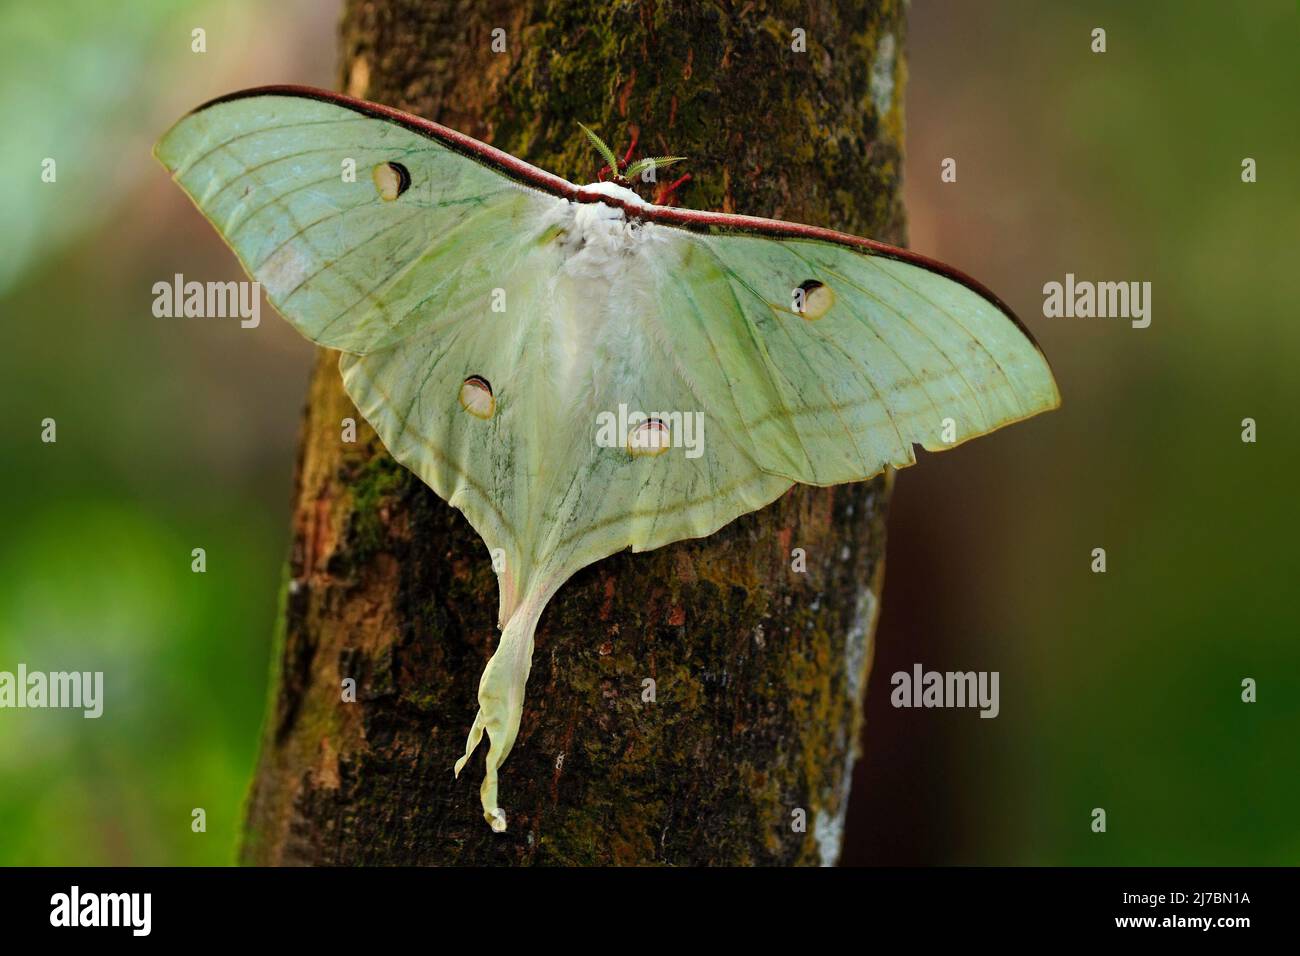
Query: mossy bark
{"x":758,"y":668}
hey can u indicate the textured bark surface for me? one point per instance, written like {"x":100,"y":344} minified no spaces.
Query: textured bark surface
{"x":758,"y":669}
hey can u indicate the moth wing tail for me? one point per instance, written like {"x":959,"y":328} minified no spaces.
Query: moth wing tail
{"x":501,"y":704}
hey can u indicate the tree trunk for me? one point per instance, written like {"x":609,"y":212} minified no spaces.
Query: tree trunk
{"x":758,"y":667}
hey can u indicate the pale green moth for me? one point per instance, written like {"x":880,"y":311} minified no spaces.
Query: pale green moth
{"x":489,"y":313}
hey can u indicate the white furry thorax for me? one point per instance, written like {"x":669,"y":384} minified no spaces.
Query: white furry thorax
{"x":599,"y":239}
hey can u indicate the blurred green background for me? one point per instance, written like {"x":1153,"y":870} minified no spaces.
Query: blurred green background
{"x":1119,"y":691}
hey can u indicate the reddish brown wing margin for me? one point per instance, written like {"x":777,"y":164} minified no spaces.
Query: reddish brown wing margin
{"x":529,"y":175}
{"x":467,"y":146}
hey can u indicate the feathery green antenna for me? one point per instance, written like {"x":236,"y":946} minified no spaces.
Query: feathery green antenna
{"x":650,"y":162}
{"x":606,"y":153}
{"x":619,"y":170}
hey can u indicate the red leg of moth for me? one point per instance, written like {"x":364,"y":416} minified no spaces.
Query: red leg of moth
{"x":665,"y":197}
{"x":628,"y":155}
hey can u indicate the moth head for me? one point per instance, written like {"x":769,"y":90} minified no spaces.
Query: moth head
{"x":625,"y":172}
